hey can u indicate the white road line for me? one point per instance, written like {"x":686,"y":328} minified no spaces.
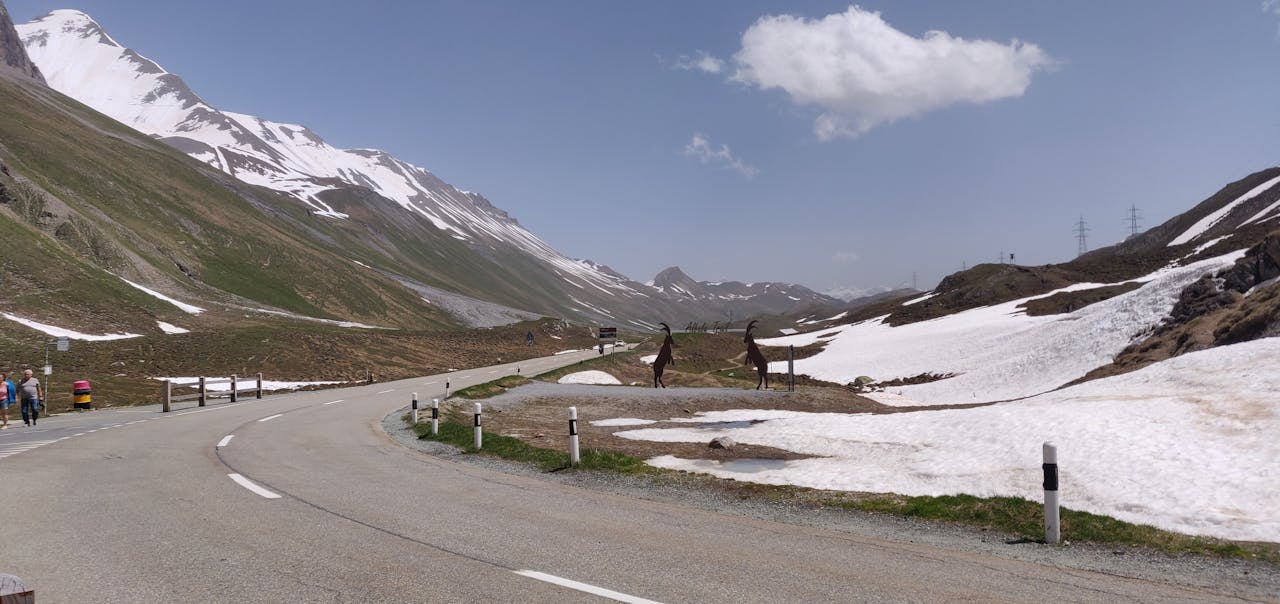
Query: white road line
{"x":429,"y":383}
{"x":591,"y":589}
{"x":494,"y":371}
{"x":270,"y":417}
{"x":386,"y":391}
{"x":79,"y":434}
{"x":335,"y":402}
{"x":14,"y":449}
{"x":206,"y":410}
{"x":246,"y":483}
{"x":226,"y":439}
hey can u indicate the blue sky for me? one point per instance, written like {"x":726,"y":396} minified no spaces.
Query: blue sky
{"x":824,"y":151}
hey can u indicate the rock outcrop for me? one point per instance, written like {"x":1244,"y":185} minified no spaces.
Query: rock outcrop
{"x":13,"y":55}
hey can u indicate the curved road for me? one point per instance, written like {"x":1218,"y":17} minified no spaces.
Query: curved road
{"x":325,"y":507}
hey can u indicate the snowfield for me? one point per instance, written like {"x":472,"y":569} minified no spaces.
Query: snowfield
{"x":1189,"y":445}
{"x":998,"y":352}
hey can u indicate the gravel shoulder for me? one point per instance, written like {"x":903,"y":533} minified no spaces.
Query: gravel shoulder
{"x":536,"y":413}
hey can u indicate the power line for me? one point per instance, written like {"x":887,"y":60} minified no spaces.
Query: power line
{"x":1080,"y":231}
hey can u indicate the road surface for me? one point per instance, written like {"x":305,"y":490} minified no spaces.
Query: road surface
{"x":303,"y":498}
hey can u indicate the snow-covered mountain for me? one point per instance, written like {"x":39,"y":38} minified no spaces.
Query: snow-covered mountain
{"x":84,"y":62}
{"x":675,"y":283}
{"x":81,"y":60}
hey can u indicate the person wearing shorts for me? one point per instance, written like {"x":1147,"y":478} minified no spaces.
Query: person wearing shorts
{"x":7,"y":397}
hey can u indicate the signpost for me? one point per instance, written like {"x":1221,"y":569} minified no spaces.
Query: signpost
{"x":608,"y":335}
{"x":62,"y":344}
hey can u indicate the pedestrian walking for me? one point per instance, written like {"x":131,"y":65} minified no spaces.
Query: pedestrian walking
{"x":32,"y":396}
{"x":8,"y":397}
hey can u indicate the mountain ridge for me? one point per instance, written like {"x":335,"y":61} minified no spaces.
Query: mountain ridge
{"x":83,"y":61}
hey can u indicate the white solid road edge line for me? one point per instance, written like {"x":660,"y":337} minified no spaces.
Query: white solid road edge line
{"x":246,"y":483}
{"x":583,"y":587}
{"x":335,"y":402}
{"x":226,"y":439}
{"x":270,"y":417}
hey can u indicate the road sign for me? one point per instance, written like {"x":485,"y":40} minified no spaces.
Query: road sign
{"x":64,"y":344}
{"x":608,"y":333}
{"x":48,"y":369}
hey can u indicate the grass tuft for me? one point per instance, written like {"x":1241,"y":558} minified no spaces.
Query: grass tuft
{"x":1025,"y":519}
{"x":548,"y":460}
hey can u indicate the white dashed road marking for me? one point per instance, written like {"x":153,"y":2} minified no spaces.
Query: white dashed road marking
{"x":270,"y":417}
{"x":386,"y":391}
{"x":584,"y":587}
{"x":226,"y":439}
{"x":335,"y":402}
{"x":248,"y":484}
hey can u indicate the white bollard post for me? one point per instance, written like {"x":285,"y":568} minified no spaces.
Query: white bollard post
{"x":259,"y":385}
{"x":446,"y":389}
{"x":1052,"y":528}
{"x":573,"y":436}
{"x":791,"y":368}
{"x":203,"y":392}
{"x":479,"y":439}
{"x":234,"y":388}
{"x":435,"y":416}
{"x":415,"y":408}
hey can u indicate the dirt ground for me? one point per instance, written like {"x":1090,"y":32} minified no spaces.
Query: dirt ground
{"x":538,"y":414}
{"x":708,"y":376}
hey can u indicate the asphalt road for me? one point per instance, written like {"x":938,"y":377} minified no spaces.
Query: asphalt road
{"x":303,"y":497}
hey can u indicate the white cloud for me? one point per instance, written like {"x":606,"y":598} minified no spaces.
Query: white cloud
{"x":843,"y":257}
{"x":1273,"y":7}
{"x":700,"y":61}
{"x":861,"y":72}
{"x":702,"y":149}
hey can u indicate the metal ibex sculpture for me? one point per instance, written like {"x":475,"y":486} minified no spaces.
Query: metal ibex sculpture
{"x":755,"y":357}
{"x":664,"y":358}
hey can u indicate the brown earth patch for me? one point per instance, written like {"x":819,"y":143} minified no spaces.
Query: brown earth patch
{"x":1065,"y":302}
{"x":543,"y":421}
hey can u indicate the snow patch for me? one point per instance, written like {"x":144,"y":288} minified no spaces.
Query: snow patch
{"x":599,"y":378}
{"x":1176,"y":444}
{"x":59,"y":332}
{"x":623,"y":421}
{"x":187,"y":308}
{"x":170,"y":328}
{"x":997,"y":352}
{"x":1213,"y":218}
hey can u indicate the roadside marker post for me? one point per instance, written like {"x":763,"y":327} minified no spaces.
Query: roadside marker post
{"x":234,"y":388}
{"x":574,"y":458}
{"x":446,"y":388}
{"x":435,"y":416}
{"x":415,"y":408}
{"x":204,"y":392}
{"x":1052,"y":527}
{"x":791,"y":368}
{"x":166,"y":395}
{"x":479,"y":438}
{"x":259,"y":384}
